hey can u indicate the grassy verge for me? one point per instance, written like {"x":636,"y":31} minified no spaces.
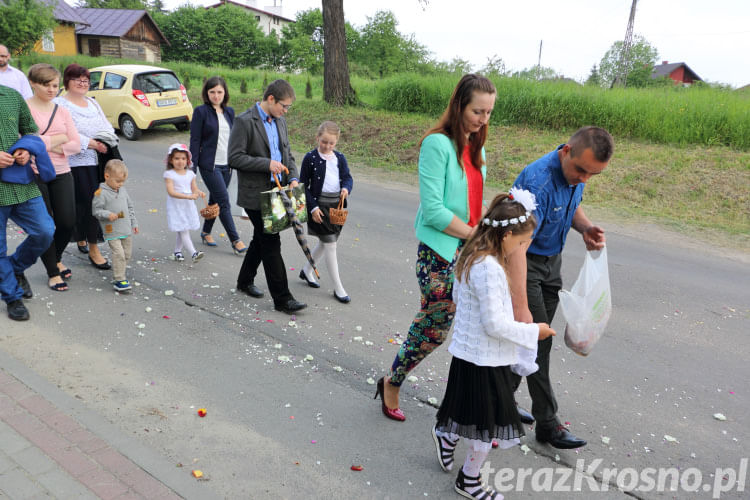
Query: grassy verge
{"x":688,"y":188}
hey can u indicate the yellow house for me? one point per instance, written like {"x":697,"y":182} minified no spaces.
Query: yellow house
{"x":61,"y":41}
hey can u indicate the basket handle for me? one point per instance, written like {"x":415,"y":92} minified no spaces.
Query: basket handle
{"x":341,"y":203}
{"x":278,"y":184}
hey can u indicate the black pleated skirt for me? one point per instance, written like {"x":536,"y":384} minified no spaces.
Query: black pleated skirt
{"x":479,"y":403}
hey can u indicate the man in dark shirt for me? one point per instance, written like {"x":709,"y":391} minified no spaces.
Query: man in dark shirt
{"x":557,"y":180}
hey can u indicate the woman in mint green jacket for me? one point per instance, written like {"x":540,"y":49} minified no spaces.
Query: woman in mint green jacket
{"x":451,"y":180}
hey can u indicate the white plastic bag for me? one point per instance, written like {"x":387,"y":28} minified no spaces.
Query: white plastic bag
{"x":588,"y":306}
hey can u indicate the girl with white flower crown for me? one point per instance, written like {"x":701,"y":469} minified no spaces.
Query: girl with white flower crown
{"x":487,"y":345}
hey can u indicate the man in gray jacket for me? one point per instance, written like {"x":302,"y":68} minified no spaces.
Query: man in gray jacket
{"x":259,"y":151}
{"x":114,"y":210}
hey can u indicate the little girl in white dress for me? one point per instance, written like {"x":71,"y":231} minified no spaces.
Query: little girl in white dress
{"x":182,"y":189}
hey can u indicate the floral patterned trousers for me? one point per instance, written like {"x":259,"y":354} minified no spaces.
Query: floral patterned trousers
{"x":434,"y":319}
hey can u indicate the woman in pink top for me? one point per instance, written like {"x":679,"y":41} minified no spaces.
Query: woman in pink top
{"x":57,"y":130}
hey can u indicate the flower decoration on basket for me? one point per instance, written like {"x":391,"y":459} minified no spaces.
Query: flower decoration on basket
{"x":210,"y":211}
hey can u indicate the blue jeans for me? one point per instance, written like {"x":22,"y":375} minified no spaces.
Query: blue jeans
{"x":33,"y":218}
{"x":217,"y":181}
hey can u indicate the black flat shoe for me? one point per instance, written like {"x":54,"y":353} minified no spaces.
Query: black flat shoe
{"x":311,"y":284}
{"x":291,"y":306}
{"x":559,"y":437}
{"x":83,"y":248}
{"x":106,"y":265}
{"x":344,"y":300}
{"x":25,"y":286}
{"x":251,"y":290}
{"x":17,"y":311}
{"x":524,"y":416}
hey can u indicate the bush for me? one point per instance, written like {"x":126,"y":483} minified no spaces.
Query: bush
{"x":661,"y":114}
{"x":243,"y":86}
{"x":308,"y":89}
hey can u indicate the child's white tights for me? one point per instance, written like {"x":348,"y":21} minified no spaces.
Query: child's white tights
{"x":475,"y":456}
{"x":328,"y":252}
{"x":184,"y":241}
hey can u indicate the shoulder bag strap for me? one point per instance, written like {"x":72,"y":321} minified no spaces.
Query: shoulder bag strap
{"x":50,"y":120}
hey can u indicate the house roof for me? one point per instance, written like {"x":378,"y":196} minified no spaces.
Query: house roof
{"x":64,"y":12}
{"x":255,"y":9}
{"x":667,"y":69}
{"x":112,"y":22}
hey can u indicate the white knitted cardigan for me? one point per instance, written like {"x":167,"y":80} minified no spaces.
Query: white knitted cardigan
{"x":484,"y":331}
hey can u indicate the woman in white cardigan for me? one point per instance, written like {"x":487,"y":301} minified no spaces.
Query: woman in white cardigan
{"x":487,"y":344}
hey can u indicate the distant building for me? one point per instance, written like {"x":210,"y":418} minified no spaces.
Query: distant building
{"x":269,"y":18}
{"x":679,"y":72}
{"x":61,"y":41}
{"x":120,"y":33}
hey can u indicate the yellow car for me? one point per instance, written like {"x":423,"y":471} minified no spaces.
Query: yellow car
{"x":136,"y":97}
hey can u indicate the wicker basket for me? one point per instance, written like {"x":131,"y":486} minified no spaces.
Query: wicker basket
{"x":338,"y":215}
{"x":210,"y":211}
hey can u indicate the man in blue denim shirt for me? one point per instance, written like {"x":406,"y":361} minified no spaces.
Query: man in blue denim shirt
{"x":557,"y":180}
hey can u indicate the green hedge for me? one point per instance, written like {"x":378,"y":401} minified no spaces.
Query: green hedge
{"x":664,"y":115}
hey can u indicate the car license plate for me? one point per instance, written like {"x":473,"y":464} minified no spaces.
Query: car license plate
{"x":166,"y":102}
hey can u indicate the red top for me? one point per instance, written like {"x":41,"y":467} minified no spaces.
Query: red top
{"x":474,"y":180}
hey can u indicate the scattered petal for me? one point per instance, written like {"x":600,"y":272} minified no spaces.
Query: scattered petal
{"x":201,"y":412}
{"x":197,"y":473}
{"x":309,"y":358}
{"x":141,"y":326}
{"x":357,"y":339}
{"x":432,"y":400}
{"x":277,"y":346}
{"x":52,"y":313}
{"x":284,"y":359}
{"x":168,"y":293}
{"x":165,"y":317}
{"x":719,"y":416}
{"x":338,"y":369}
{"x":148,"y":309}
{"x":605,"y":440}
{"x":357,"y":467}
{"x":370,"y":380}
{"x":412,"y":378}
{"x":525,"y":449}
{"x":358,"y":328}
{"x":670,"y":439}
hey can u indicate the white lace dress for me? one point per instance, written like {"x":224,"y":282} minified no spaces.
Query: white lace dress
{"x":182,"y":215}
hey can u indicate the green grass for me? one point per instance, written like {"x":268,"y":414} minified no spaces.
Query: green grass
{"x":703,"y":187}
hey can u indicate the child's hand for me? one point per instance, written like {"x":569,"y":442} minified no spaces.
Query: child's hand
{"x":193,"y":196}
{"x":317,"y":216}
{"x":201,"y":194}
{"x":113,"y":217}
{"x":545,"y":331}
{"x":135,"y":230}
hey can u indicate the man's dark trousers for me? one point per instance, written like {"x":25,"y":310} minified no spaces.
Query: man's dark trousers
{"x":543,"y":281}
{"x":265,"y":248}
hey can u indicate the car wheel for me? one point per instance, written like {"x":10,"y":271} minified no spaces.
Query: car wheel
{"x":129,"y":129}
{"x":182,"y":126}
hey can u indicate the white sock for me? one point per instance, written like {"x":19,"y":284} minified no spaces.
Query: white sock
{"x":333,"y":268}
{"x":475,"y":457}
{"x":316,"y":253}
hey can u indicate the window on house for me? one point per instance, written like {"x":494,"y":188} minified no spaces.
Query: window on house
{"x":48,"y":41}
{"x":257,"y":18}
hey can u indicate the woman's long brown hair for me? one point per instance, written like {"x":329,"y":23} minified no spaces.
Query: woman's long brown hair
{"x":451,"y":122}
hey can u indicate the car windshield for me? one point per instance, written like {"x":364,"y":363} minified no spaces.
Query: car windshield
{"x":156,"y":82}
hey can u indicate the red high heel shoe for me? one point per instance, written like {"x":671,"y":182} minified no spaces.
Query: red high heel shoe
{"x":395,"y":414}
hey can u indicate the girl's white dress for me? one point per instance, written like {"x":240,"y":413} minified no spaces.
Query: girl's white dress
{"x":181,"y":213}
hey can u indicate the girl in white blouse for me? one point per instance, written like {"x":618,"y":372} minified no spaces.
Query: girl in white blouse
{"x":487,"y":344}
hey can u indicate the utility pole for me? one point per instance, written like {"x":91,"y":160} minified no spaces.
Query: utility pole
{"x":627,"y":43}
{"x":539,"y":61}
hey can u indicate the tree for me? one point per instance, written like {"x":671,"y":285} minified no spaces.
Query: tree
{"x":495,"y":67}
{"x":383,"y":50}
{"x":594,"y":78}
{"x":226,"y":35}
{"x":337,"y":88}
{"x":639,"y":67}
{"x":23,"y":23}
{"x":302,"y":42}
{"x":536,"y":73}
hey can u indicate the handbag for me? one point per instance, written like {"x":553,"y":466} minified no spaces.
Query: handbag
{"x":273,"y":212}
{"x":338,"y":215}
{"x":210,"y":211}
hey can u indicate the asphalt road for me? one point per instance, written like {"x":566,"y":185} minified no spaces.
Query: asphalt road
{"x":282,"y":426}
